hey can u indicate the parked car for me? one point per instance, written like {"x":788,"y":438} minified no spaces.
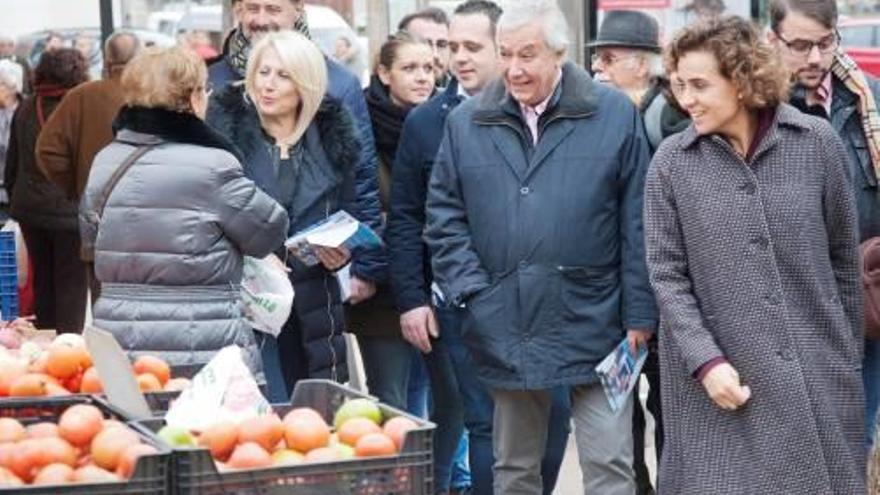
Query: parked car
{"x":860,"y":39}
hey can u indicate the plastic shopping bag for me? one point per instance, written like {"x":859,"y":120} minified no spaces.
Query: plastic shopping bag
{"x":267,"y":294}
{"x":224,"y":390}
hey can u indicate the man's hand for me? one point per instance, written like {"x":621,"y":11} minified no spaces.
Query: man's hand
{"x":333,"y":258}
{"x":637,"y":338}
{"x":361,"y":290}
{"x":418,"y":325}
{"x":723,"y":386}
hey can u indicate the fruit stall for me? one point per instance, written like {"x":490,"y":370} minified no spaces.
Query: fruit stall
{"x":68,"y":425}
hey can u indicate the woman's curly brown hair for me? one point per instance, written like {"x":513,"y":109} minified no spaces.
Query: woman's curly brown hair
{"x":743,"y":56}
{"x":65,"y":67}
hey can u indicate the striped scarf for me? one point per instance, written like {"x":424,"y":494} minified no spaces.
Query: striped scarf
{"x":845,"y":69}
{"x":240,"y":46}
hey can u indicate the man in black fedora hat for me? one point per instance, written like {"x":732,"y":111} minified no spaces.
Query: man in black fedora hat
{"x":627,"y":56}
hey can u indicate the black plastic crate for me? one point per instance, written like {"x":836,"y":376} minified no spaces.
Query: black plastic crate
{"x":151,"y":475}
{"x":410,"y":472}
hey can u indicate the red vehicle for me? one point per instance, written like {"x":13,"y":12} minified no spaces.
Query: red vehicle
{"x":860,"y":39}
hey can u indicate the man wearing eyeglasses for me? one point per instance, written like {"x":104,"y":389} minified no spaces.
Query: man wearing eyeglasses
{"x":627,"y":56}
{"x":830,"y":85}
{"x":432,"y":25}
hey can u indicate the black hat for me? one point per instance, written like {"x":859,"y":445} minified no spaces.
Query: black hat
{"x":628,"y":29}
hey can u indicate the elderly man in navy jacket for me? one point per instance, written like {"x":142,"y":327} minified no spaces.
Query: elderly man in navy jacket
{"x":535,"y":226}
{"x":434,"y":327}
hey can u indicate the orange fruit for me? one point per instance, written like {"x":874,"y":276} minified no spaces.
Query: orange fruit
{"x":91,"y":383}
{"x":128,"y":459}
{"x":153,"y":365}
{"x":30,"y":385}
{"x":220,"y":438}
{"x":266,"y":431}
{"x":80,"y":423}
{"x":249,"y":455}
{"x":64,"y":361}
{"x":148,"y":383}
{"x":375,"y":445}
{"x":108,"y":445}
{"x":352,"y":430}
{"x":54,"y":474}
{"x":44,"y":429}
{"x":11,"y":430}
{"x":396,"y":429}
{"x":305,"y":433}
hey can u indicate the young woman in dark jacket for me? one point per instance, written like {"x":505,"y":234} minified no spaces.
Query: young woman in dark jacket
{"x":302,"y":149}
{"x":403,"y":78}
{"x":47,"y":218}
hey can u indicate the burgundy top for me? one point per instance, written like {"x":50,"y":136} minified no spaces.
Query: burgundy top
{"x":765,"y":122}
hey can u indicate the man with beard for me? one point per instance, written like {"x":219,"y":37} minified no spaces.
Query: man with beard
{"x":432,"y":25}
{"x":258,"y":17}
{"x":830,"y":85}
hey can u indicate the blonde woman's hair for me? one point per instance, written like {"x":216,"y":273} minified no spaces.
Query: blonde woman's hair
{"x":163,"y":78}
{"x":307,"y":69}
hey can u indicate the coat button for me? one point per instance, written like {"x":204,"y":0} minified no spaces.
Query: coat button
{"x":523,"y":191}
{"x":761,"y":242}
{"x":786,"y":354}
{"x":523,"y":265}
{"x":773,"y":299}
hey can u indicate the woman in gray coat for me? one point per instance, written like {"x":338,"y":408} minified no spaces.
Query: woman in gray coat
{"x":750,"y":229}
{"x":169,"y":238}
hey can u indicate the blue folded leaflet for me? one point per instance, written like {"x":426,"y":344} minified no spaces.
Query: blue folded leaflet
{"x":340,"y":229}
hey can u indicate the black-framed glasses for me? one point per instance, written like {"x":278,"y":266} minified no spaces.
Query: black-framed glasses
{"x":803,"y":48}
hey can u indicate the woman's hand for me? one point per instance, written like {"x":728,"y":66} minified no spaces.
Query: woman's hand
{"x":333,"y":258}
{"x":723,"y":386}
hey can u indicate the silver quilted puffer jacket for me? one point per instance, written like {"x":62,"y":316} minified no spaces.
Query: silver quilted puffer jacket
{"x":168,"y":249}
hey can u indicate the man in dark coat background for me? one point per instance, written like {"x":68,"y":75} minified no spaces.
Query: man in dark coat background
{"x":427,"y":320}
{"x":546,"y":301}
{"x":628,"y":58}
{"x":828,"y":84}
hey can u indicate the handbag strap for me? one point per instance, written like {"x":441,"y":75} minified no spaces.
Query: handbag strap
{"x":119,"y":172}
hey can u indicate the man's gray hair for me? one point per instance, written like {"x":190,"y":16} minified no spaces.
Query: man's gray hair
{"x":519,"y":13}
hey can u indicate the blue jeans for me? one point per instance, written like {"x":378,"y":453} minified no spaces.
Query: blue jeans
{"x":454,"y":382}
{"x":276,"y":386}
{"x":871,"y":380}
{"x":419,"y":386}
{"x":387,"y":363}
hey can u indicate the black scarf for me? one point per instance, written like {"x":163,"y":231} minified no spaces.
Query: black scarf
{"x":177,"y":127}
{"x":386,"y":117}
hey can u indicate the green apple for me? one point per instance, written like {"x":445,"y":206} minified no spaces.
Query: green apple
{"x":287,"y":457}
{"x":357,"y":408}
{"x":344,"y":451}
{"x":177,"y":437}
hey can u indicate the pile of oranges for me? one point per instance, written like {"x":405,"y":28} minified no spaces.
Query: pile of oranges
{"x":65,"y":367}
{"x":82,"y":447}
{"x":301,"y":437}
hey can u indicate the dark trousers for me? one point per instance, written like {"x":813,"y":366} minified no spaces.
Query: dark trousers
{"x":461,"y":400}
{"x":651,"y":371}
{"x":386,"y":363}
{"x":60,"y":284}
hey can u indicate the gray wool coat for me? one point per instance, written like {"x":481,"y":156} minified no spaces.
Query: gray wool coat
{"x":758,"y":264}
